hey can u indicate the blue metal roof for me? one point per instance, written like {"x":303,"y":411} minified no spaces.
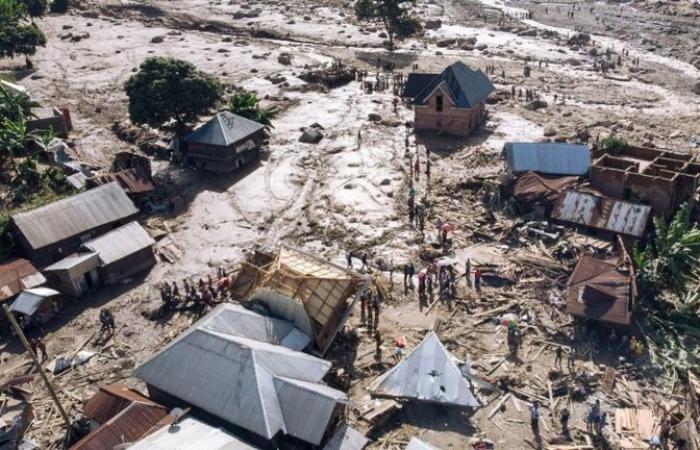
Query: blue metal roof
{"x":467,"y":87}
{"x":548,"y":157}
{"x":416,"y":83}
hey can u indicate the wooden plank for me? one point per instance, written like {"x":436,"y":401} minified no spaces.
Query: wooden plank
{"x":499,"y":405}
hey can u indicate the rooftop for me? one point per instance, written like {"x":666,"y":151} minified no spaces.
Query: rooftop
{"x":552,"y":158}
{"x":18,"y":274}
{"x":466,"y":87}
{"x":120,"y":243}
{"x":224,"y":129}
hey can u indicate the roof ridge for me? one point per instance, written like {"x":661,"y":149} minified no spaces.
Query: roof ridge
{"x":57,"y":203}
{"x":261,"y":402}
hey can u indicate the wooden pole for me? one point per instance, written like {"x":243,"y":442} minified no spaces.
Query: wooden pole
{"x":47,"y":382}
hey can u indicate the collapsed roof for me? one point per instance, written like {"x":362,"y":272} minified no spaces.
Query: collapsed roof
{"x":531,"y":188}
{"x":428,"y":374}
{"x":261,"y":387}
{"x":301,"y":288}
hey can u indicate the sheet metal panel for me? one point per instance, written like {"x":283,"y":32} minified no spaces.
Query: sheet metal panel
{"x":417,"y":444}
{"x":427,"y":374}
{"x":548,"y":158}
{"x":74,"y":215}
{"x":18,"y":274}
{"x":191,"y":434}
{"x":29,"y":300}
{"x":346,"y":438}
{"x":223,"y":130}
{"x":604,"y":213}
{"x":120,"y":243}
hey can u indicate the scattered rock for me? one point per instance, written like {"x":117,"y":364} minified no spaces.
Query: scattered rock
{"x":374,"y":117}
{"x":696,"y":89}
{"x":432,"y":24}
{"x":549,"y":132}
{"x":385,"y":182}
{"x":285,"y":59}
{"x":157,"y":39}
{"x":311,"y":136}
{"x":446,"y":42}
{"x":535,"y":105}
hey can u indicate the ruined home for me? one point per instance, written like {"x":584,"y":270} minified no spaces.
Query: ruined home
{"x":136,"y":182}
{"x":604,"y":216}
{"x":603,"y":290}
{"x":35,"y":307}
{"x":51,"y":119}
{"x":16,"y":275}
{"x":453,"y":102}
{"x":54,"y":231}
{"x":226,"y":143}
{"x":256,"y":385}
{"x":660,"y":178}
{"x":316,"y":295}
{"x":548,"y":158}
{"x":538,"y":192}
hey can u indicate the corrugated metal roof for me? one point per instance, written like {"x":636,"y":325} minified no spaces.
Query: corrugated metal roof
{"x":258,"y":386}
{"x":111,"y":400}
{"x":71,"y":262}
{"x":603,"y":213}
{"x":223,"y":130}
{"x":416,"y":82}
{"x":133,"y":181}
{"x":427,"y":374}
{"x":127,"y":426}
{"x":548,"y":157}
{"x":18,"y":274}
{"x":239,"y":321}
{"x":191,"y":434}
{"x":466,"y":87}
{"x":346,"y":438}
{"x":120,"y":243}
{"x":601,"y":290}
{"x":29,"y":300}
{"x":74,"y":215}
{"x":417,"y":444}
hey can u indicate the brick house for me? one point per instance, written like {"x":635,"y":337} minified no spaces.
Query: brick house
{"x":453,"y":102}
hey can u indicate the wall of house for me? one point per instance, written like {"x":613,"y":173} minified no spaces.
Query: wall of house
{"x":610,"y":182}
{"x":223,"y":159}
{"x":452,"y":120}
{"x":657,"y":191}
{"x":129,"y":266}
{"x":48,"y":255}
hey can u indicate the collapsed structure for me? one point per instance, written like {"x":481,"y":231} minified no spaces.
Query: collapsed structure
{"x":661,"y":178}
{"x":428,"y":374}
{"x":234,"y":369}
{"x":313,"y":294}
{"x":16,"y":275}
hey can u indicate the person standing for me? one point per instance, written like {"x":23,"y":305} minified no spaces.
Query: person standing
{"x":468,"y":272}
{"x":571,"y":361}
{"x":376,"y":306}
{"x":557,"y":357}
{"x":411,"y":272}
{"x":535,"y":418}
{"x":348,"y":258}
{"x":564,"y":416}
{"x":427,"y":169}
{"x":416,"y":167}
{"x":477,"y":280}
{"x":36,"y":344}
{"x":378,"y":343}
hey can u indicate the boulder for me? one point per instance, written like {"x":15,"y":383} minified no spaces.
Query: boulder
{"x":696,"y":88}
{"x":285,"y":59}
{"x":311,"y":136}
{"x":374,"y":117}
{"x":432,"y":24}
{"x":535,"y":105}
{"x":446,"y":42}
{"x":157,"y":39}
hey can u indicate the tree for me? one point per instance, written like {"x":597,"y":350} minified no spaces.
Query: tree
{"x":167,"y":89}
{"x":59,"y":6}
{"x":35,"y":8}
{"x":16,"y":36}
{"x":394,"y":14}
{"x":246,"y":104}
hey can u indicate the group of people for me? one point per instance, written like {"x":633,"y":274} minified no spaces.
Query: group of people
{"x":199,"y":296}
{"x":437,"y":276}
{"x":596,"y":419}
{"x":370,"y":304}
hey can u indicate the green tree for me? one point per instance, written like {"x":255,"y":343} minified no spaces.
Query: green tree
{"x":247,"y":104}
{"x":59,"y":6}
{"x":57,"y":181}
{"x":35,"y":8}
{"x":613,"y":144}
{"x":16,"y":36}
{"x":167,"y":89}
{"x":7,"y":243}
{"x":394,"y":15}
{"x":14,"y":106}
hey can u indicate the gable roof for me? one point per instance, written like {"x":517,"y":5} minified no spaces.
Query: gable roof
{"x":601,"y":290}
{"x":427,"y":374}
{"x":224,"y":129}
{"x":467,"y":87}
{"x":552,"y":158}
{"x":416,"y":83}
{"x":18,"y":274}
{"x":74,"y":215}
{"x":29,"y":300}
{"x":261,"y":387}
{"x":110,"y":400}
{"x":120,"y":243}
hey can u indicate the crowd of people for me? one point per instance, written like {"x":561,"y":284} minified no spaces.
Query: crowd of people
{"x":199,"y":296}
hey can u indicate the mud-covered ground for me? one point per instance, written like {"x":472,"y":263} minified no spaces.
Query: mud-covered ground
{"x":347,"y":193}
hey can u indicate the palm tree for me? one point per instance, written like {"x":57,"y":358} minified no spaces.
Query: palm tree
{"x":246,"y":104}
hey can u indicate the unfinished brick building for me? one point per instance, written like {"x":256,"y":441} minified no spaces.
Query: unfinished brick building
{"x":453,"y":102}
{"x":663,"y":179}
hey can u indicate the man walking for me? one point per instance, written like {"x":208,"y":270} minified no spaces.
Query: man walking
{"x":571,"y":359}
{"x":535,"y":418}
{"x":557,"y":357}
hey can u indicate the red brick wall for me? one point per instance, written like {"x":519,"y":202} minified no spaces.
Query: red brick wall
{"x":452,"y":120}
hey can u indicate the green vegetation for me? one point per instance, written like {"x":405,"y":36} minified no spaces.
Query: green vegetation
{"x":7,"y":243}
{"x":17,"y":37}
{"x":35,"y":8}
{"x":168,"y":89}
{"x":394,"y":15}
{"x":59,"y":6}
{"x":247,"y":104}
{"x":613,"y":144}
{"x":668,"y":283}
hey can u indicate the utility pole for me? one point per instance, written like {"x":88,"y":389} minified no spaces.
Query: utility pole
{"x":47,"y":382}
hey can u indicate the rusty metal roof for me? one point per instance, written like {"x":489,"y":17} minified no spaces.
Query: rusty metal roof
{"x":617,"y":216}
{"x":111,"y":400}
{"x":74,"y":215}
{"x":133,"y":181}
{"x":129,"y":425}
{"x":601,"y":290}
{"x":16,"y":275}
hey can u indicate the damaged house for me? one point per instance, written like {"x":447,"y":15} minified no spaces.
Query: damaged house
{"x":235,"y":369}
{"x":315,"y":295}
{"x":452,"y":102}
{"x":16,"y":411}
{"x":54,"y":231}
{"x":660,"y":178}
{"x":15,"y":276}
{"x":603,"y":290}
